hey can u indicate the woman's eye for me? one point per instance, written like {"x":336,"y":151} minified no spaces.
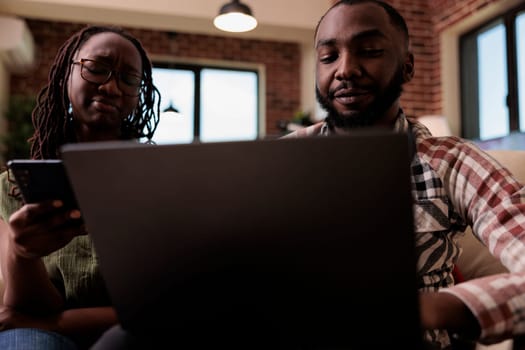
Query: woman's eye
{"x":131,"y":79}
{"x":97,"y":69}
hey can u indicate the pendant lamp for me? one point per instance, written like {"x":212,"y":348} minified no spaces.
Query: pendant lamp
{"x":235,"y":17}
{"x":171,"y":109}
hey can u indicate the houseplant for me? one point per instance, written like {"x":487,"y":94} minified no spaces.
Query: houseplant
{"x":19,"y":127}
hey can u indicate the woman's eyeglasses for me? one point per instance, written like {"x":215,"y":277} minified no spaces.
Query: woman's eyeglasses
{"x":99,"y":73}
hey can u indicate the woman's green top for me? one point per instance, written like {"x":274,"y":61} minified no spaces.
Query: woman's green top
{"x":73,"y":269}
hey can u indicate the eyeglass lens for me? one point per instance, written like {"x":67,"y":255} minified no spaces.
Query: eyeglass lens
{"x":99,"y":73}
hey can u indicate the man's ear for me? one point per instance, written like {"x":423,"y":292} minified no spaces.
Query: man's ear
{"x":408,"y":67}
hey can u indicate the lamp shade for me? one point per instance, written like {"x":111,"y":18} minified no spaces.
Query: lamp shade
{"x":235,"y":17}
{"x":171,"y":110}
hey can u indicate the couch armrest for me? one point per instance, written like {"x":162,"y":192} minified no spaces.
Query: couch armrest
{"x":476,"y":260}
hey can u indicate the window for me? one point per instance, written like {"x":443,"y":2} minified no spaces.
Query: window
{"x":493,"y":78}
{"x":212,"y":103}
{"x":520,"y":40}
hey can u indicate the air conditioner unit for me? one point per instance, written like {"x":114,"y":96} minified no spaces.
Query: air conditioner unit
{"x":17,"y":47}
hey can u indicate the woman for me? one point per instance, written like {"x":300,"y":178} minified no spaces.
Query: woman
{"x":100,"y":88}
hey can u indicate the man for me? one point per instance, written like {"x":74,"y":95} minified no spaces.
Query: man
{"x":363,"y":60}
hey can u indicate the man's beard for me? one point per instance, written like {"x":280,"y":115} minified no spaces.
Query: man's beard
{"x":372,"y":114}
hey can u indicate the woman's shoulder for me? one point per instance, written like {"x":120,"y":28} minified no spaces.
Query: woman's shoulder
{"x":6,"y":183}
{"x":9,"y":200}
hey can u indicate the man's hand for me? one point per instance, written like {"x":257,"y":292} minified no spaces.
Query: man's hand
{"x":445,"y":311}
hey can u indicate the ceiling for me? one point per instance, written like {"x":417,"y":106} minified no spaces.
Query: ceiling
{"x":288,"y":20}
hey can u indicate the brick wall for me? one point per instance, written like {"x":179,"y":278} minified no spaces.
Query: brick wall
{"x":281,"y":60}
{"x":445,"y":13}
{"x":425,"y":18}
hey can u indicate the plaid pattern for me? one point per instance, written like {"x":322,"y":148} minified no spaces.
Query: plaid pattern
{"x":455,"y":185}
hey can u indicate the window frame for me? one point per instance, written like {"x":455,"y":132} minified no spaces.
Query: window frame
{"x":197,"y":65}
{"x":468,"y":67}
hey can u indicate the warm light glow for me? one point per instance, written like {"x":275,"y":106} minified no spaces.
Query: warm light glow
{"x":437,"y":124}
{"x":235,"y":22}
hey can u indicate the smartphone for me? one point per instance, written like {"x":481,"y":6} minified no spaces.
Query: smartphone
{"x":40,"y":180}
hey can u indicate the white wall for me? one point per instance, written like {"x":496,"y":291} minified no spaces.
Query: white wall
{"x":278,"y":19}
{"x":16,"y":55}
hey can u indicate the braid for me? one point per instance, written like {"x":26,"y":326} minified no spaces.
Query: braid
{"x":51,"y":112}
{"x":52,"y":116}
{"x":144,"y":120}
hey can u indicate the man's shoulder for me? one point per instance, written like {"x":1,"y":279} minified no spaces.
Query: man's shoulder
{"x":309,"y":131}
{"x":451,"y":150}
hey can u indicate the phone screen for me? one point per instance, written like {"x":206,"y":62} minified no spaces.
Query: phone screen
{"x":40,"y":180}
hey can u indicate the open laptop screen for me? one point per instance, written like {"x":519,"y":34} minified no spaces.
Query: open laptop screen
{"x":289,"y":241}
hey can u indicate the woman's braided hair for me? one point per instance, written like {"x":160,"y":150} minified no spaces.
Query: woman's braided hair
{"x":52,"y":115}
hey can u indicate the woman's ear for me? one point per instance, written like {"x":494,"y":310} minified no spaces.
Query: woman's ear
{"x":408,"y":67}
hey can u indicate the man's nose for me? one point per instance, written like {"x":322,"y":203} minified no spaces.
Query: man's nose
{"x":348,"y":67}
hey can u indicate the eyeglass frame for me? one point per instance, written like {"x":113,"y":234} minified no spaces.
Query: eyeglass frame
{"x":111,"y":73}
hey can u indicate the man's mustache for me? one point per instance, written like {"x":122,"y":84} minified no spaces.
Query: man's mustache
{"x":348,"y":85}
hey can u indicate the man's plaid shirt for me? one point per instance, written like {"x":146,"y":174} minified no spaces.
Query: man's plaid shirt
{"x":454,"y":185}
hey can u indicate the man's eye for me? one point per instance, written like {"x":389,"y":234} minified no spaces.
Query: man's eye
{"x":327,"y":58}
{"x":371,"y":52}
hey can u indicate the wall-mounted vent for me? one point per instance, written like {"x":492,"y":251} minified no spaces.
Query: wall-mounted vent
{"x":17,"y":47}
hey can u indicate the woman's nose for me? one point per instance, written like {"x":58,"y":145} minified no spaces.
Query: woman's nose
{"x":111,"y":86}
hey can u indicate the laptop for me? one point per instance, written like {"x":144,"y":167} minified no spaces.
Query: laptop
{"x":284,"y":243}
